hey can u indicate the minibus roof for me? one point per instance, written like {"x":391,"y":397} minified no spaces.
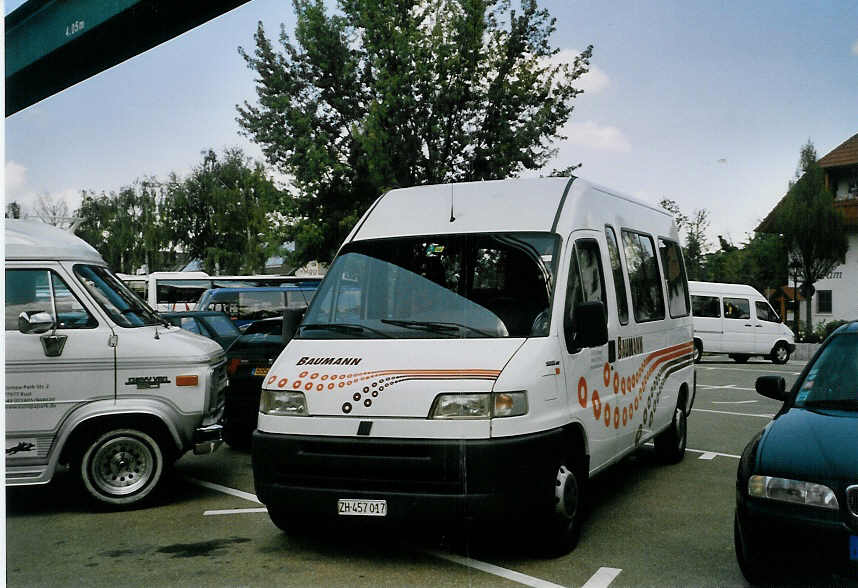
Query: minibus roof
{"x":722,"y":288}
{"x":35,"y":240}
{"x":516,"y":205}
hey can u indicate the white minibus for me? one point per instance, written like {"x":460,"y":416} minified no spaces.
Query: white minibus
{"x":737,"y":320}
{"x":480,"y":350}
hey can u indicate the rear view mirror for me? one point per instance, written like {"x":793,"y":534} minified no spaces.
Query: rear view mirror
{"x":36,"y":322}
{"x":773,"y":387}
{"x":591,"y":324}
{"x":292,"y":317}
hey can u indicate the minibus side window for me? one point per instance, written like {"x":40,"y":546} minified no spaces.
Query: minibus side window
{"x":586,"y":283}
{"x":706,"y":306}
{"x":765,"y":312}
{"x":619,"y":278}
{"x":737,"y":308}
{"x":647,"y":295}
{"x":30,"y":291}
{"x":677,"y":285}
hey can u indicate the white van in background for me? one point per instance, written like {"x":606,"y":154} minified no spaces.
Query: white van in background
{"x":737,"y":320}
{"x":477,"y":351}
{"x":94,"y":377}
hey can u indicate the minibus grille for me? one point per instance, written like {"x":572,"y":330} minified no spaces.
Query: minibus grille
{"x":394,"y":467}
{"x":217,"y":389}
{"x":852,"y":499}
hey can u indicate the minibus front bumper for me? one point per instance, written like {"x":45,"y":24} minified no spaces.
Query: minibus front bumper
{"x":420,"y":479}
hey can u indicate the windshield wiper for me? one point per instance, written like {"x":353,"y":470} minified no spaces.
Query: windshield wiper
{"x":834,"y":403}
{"x":434,"y":326}
{"x":348,"y":328}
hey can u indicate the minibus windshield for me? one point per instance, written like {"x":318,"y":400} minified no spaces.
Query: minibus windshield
{"x":125,"y":308}
{"x":443,"y":286}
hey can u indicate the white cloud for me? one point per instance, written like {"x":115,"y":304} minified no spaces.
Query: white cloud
{"x":18,"y":189}
{"x":855,"y":48}
{"x":592,"y":82}
{"x":16,"y":179}
{"x":594,"y":136}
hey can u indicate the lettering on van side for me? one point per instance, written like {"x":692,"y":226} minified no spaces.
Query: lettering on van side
{"x":629,"y":346}
{"x":147,"y":382}
{"x":329,"y":361}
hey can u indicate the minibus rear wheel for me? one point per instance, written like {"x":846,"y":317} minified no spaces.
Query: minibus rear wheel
{"x":698,"y":351}
{"x":670,"y":443}
{"x":121,"y":467}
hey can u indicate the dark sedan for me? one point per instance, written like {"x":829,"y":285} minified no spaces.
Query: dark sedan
{"x":211,"y":324}
{"x":797,"y":483}
{"x":249,"y":359}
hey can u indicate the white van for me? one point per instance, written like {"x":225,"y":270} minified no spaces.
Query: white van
{"x":95,"y":378}
{"x":737,"y":320}
{"x":480,"y":350}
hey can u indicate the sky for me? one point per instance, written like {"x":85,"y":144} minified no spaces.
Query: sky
{"x":705,"y":103}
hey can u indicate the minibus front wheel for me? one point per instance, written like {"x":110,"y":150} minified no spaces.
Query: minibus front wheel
{"x":564,"y":513}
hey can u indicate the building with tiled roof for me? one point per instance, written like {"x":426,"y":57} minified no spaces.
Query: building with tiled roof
{"x":836,"y":296}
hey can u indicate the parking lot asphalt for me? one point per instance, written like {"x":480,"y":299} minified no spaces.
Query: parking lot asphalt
{"x":648,"y":524}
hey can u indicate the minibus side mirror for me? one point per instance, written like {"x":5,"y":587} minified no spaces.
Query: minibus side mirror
{"x":292,"y":317}
{"x":773,"y":387}
{"x":35,"y":322}
{"x":591,"y":324}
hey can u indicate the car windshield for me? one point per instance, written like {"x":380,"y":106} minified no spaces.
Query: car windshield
{"x":832,"y":381}
{"x":447,"y":286}
{"x":123,"y":306}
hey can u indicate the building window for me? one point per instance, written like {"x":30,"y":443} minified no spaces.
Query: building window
{"x":823,"y":301}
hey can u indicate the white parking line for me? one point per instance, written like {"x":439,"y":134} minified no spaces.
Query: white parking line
{"x":751,"y":368}
{"x":727,"y":387}
{"x":501,"y":572}
{"x":602,"y":578}
{"x":733,"y":401}
{"x":224,"y":489}
{"x":762,"y":416}
{"x":230,"y":511}
{"x":712,"y":454}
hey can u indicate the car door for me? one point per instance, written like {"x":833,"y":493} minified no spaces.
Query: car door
{"x":708,"y":324}
{"x":592,"y":401}
{"x":767,"y":327}
{"x":738,"y":325}
{"x":49,"y":373}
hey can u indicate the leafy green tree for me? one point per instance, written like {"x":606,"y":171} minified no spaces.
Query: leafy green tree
{"x":220,"y":213}
{"x":696,"y":246}
{"x":387,"y":93}
{"x":13,"y":210}
{"x":811,"y":226}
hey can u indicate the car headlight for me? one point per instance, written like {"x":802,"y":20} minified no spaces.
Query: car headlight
{"x":794,"y":491}
{"x":479,"y":406}
{"x":283,"y":403}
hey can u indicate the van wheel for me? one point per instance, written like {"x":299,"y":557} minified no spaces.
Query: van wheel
{"x":698,"y":351}
{"x":559,"y":527}
{"x":780,"y":354}
{"x":670,"y":443}
{"x":121,"y":467}
{"x":739,"y":357}
{"x":288,"y":522}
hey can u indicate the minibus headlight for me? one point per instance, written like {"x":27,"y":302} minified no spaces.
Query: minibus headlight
{"x":461,"y":406}
{"x":794,"y":491}
{"x":479,"y":406}
{"x":507,"y":404}
{"x":283,"y":403}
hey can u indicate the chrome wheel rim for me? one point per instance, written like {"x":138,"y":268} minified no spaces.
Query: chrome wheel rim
{"x":566,"y":493}
{"x":122,"y":466}
{"x":781,"y":353}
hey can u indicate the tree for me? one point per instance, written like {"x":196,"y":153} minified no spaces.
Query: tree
{"x":695,"y":228}
{"x":13,"y":210}
{"x":400,"y":93}
{"x":220,"y":213}
{"x":52,"y":212}
{"x":811,"y":226}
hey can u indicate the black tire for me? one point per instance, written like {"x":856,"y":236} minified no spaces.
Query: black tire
{"x":558,"y":527}
{"x":753,"y":563}
{"x":237,"y":438}
{"x":288,"y":522}
{"x":670,"y":443}
{"x":698,"y":351}
{"x":780,"y":354}
{"x":739,"y":357}
{"x":121,"y":467}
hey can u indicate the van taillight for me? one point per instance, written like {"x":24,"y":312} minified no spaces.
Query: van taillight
{"x":233,"y":366}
